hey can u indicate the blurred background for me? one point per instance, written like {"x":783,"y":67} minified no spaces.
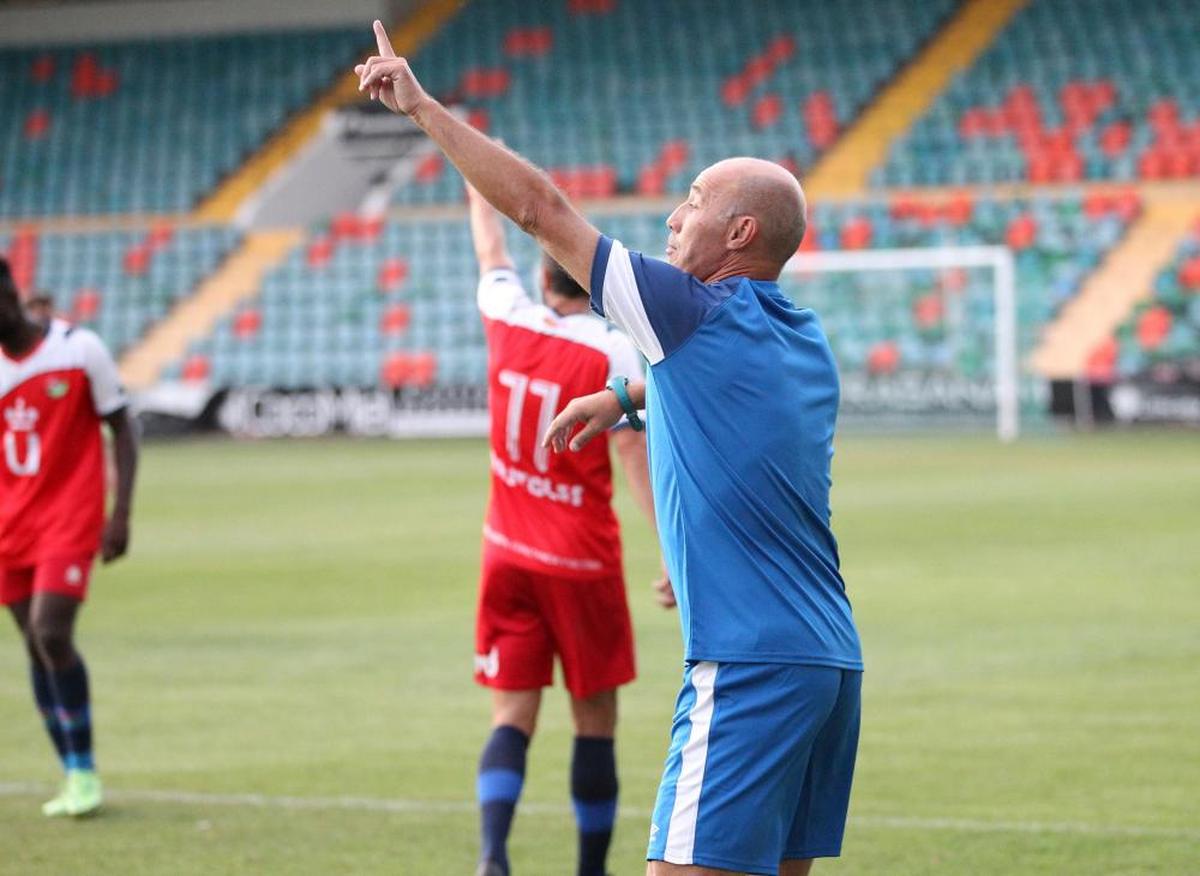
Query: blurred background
{"x":1004,"y":241}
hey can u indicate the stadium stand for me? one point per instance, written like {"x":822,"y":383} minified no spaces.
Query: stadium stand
{"x":117,"y":282}
{"x":149,"y":127}
{"x":1070,"y":91}
{"x":1164,"y":330}
{"x":391,"y":304}
{"x":555,"y":80}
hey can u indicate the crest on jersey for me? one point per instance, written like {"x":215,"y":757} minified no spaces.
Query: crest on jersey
{"x":56,"y":388}
{"x":20,"y":417}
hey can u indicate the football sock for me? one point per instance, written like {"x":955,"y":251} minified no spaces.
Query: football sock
{"x":43,"y":695}
{"x":501,"y":775}
{"x":594,"y":793}
{"x":73,"y":710}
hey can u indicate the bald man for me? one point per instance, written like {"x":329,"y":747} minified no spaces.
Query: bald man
{"x":741,"y":405}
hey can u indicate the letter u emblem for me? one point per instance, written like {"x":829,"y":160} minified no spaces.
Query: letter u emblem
{"x":33,"y":454}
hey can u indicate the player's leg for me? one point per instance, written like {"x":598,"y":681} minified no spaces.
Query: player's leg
{"x":594,"y":778}
{"x":58,"y":591}
{"x":593,"y":634}
{"x":16,"y":592}
{"x":502,"y":773}
{"x":514,"y":656}
{"x":796,"y":867}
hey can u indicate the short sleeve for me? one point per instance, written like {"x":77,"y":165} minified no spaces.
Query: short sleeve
{"x":500,"y":293}
{"x":108,"y":394}
{"x":656,"y":304}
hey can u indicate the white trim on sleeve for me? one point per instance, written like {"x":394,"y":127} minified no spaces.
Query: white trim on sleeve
{"x":623,"y":304}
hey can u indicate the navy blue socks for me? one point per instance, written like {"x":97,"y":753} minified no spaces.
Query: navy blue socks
{"x":501,"y":775}
{"x":73,"y":711}
{"x":594,"y":793}
{"x":43,"y":695}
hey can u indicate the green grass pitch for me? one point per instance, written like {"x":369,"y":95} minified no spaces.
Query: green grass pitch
{"x":295,"y":622}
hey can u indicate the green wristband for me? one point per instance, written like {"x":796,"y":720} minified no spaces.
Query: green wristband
{"x":618,"y":385}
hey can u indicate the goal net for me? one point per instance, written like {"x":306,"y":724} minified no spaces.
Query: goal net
{"x":922,"y":336}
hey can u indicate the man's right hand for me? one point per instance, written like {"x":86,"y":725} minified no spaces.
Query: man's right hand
{"x":664,"y":593}
{"x":389,"y":79}
{"x":598,"y":412}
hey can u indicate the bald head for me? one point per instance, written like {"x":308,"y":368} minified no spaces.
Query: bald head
{"x":769,"y":193}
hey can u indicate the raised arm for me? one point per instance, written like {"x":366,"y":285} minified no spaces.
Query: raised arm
{"x":512,"y":185}
{"x":487,"y":233}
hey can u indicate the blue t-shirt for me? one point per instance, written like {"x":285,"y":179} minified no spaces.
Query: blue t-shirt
{"x":741,"y":403}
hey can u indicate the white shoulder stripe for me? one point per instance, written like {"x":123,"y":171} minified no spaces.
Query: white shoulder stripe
{"x":681,"y":830}
{"x":623,"y":304}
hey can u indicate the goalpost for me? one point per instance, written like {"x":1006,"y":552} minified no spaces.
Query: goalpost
{"x":998,"y":259}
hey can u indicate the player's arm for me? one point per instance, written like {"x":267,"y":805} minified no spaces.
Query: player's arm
{"x":631,"y":450}
{"x":597,"y":413}
{"x":487,"y":233}
{"x":512,"y":185}
{"x":125,"y":458}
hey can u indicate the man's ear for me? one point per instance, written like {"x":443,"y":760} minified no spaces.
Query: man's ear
{"x":742,"y":231}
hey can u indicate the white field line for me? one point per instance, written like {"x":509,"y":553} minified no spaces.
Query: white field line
{"x":460,"y":807}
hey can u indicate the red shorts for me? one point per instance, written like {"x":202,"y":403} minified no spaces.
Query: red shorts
{"x":69,"y":577}
{"x":525,"y":618}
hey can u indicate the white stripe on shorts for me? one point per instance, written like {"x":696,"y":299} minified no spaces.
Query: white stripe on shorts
{"x":681,"y":831}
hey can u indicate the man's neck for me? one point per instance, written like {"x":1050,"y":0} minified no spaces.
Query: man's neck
{"x":739,"y":266}
{"x":23,"y":339}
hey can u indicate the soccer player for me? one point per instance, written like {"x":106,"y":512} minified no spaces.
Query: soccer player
{"x":552,"y":581}
{"x":741,"y":402}
{"x":57,"y":384}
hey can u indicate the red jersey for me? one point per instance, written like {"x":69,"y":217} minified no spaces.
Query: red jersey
{"x":52,"y":476}
{"x":549,"y":512}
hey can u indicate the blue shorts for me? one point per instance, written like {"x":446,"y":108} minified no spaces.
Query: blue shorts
{"x":759,"y":770}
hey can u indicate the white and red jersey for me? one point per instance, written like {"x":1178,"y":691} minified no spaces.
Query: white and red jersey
{"x":550,"y":512}
{"x":52,"y":473}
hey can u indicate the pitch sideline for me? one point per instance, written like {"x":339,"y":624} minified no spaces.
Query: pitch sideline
{"x":460,"y":807}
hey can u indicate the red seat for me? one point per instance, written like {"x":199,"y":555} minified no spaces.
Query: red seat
{"x":883,"y":358}
{"x":196,"y":368}
{"x":928,"y":310}
{"x":1153,"y":326}
{"x":1022,"y":232}
{"x":395,"y":320}
{"x":429,"y":168}
{"x":392,"y":274}
{"x":523,"y":42}
{"x":247,"y":324}
{"x":1101,"y":364}
{"x":767,"y":110}
{"x":320,"y":251}
{"x":86,"y":305}
{"x":857,"y":233}
{"x":42,"y":69}
{"x":37,"y":124}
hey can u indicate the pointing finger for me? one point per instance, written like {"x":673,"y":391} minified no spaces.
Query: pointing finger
{"x":381,"y":38}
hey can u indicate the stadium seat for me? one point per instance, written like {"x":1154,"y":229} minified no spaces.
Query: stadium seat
{"x":149,"y":126}
{"x":397,"y":308}
{"x":1070,"y":90}
{"x":1162,"y":335}
{"x":593,"y":84}
{"x":94,"y":281}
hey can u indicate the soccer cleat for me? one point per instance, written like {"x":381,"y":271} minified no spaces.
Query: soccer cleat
{"x":81,"y":794}
{"x":56,"y":807}
{"x":490,"y":868}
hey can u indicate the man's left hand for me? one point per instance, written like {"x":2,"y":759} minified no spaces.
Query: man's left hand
{"x":116,"y":538}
